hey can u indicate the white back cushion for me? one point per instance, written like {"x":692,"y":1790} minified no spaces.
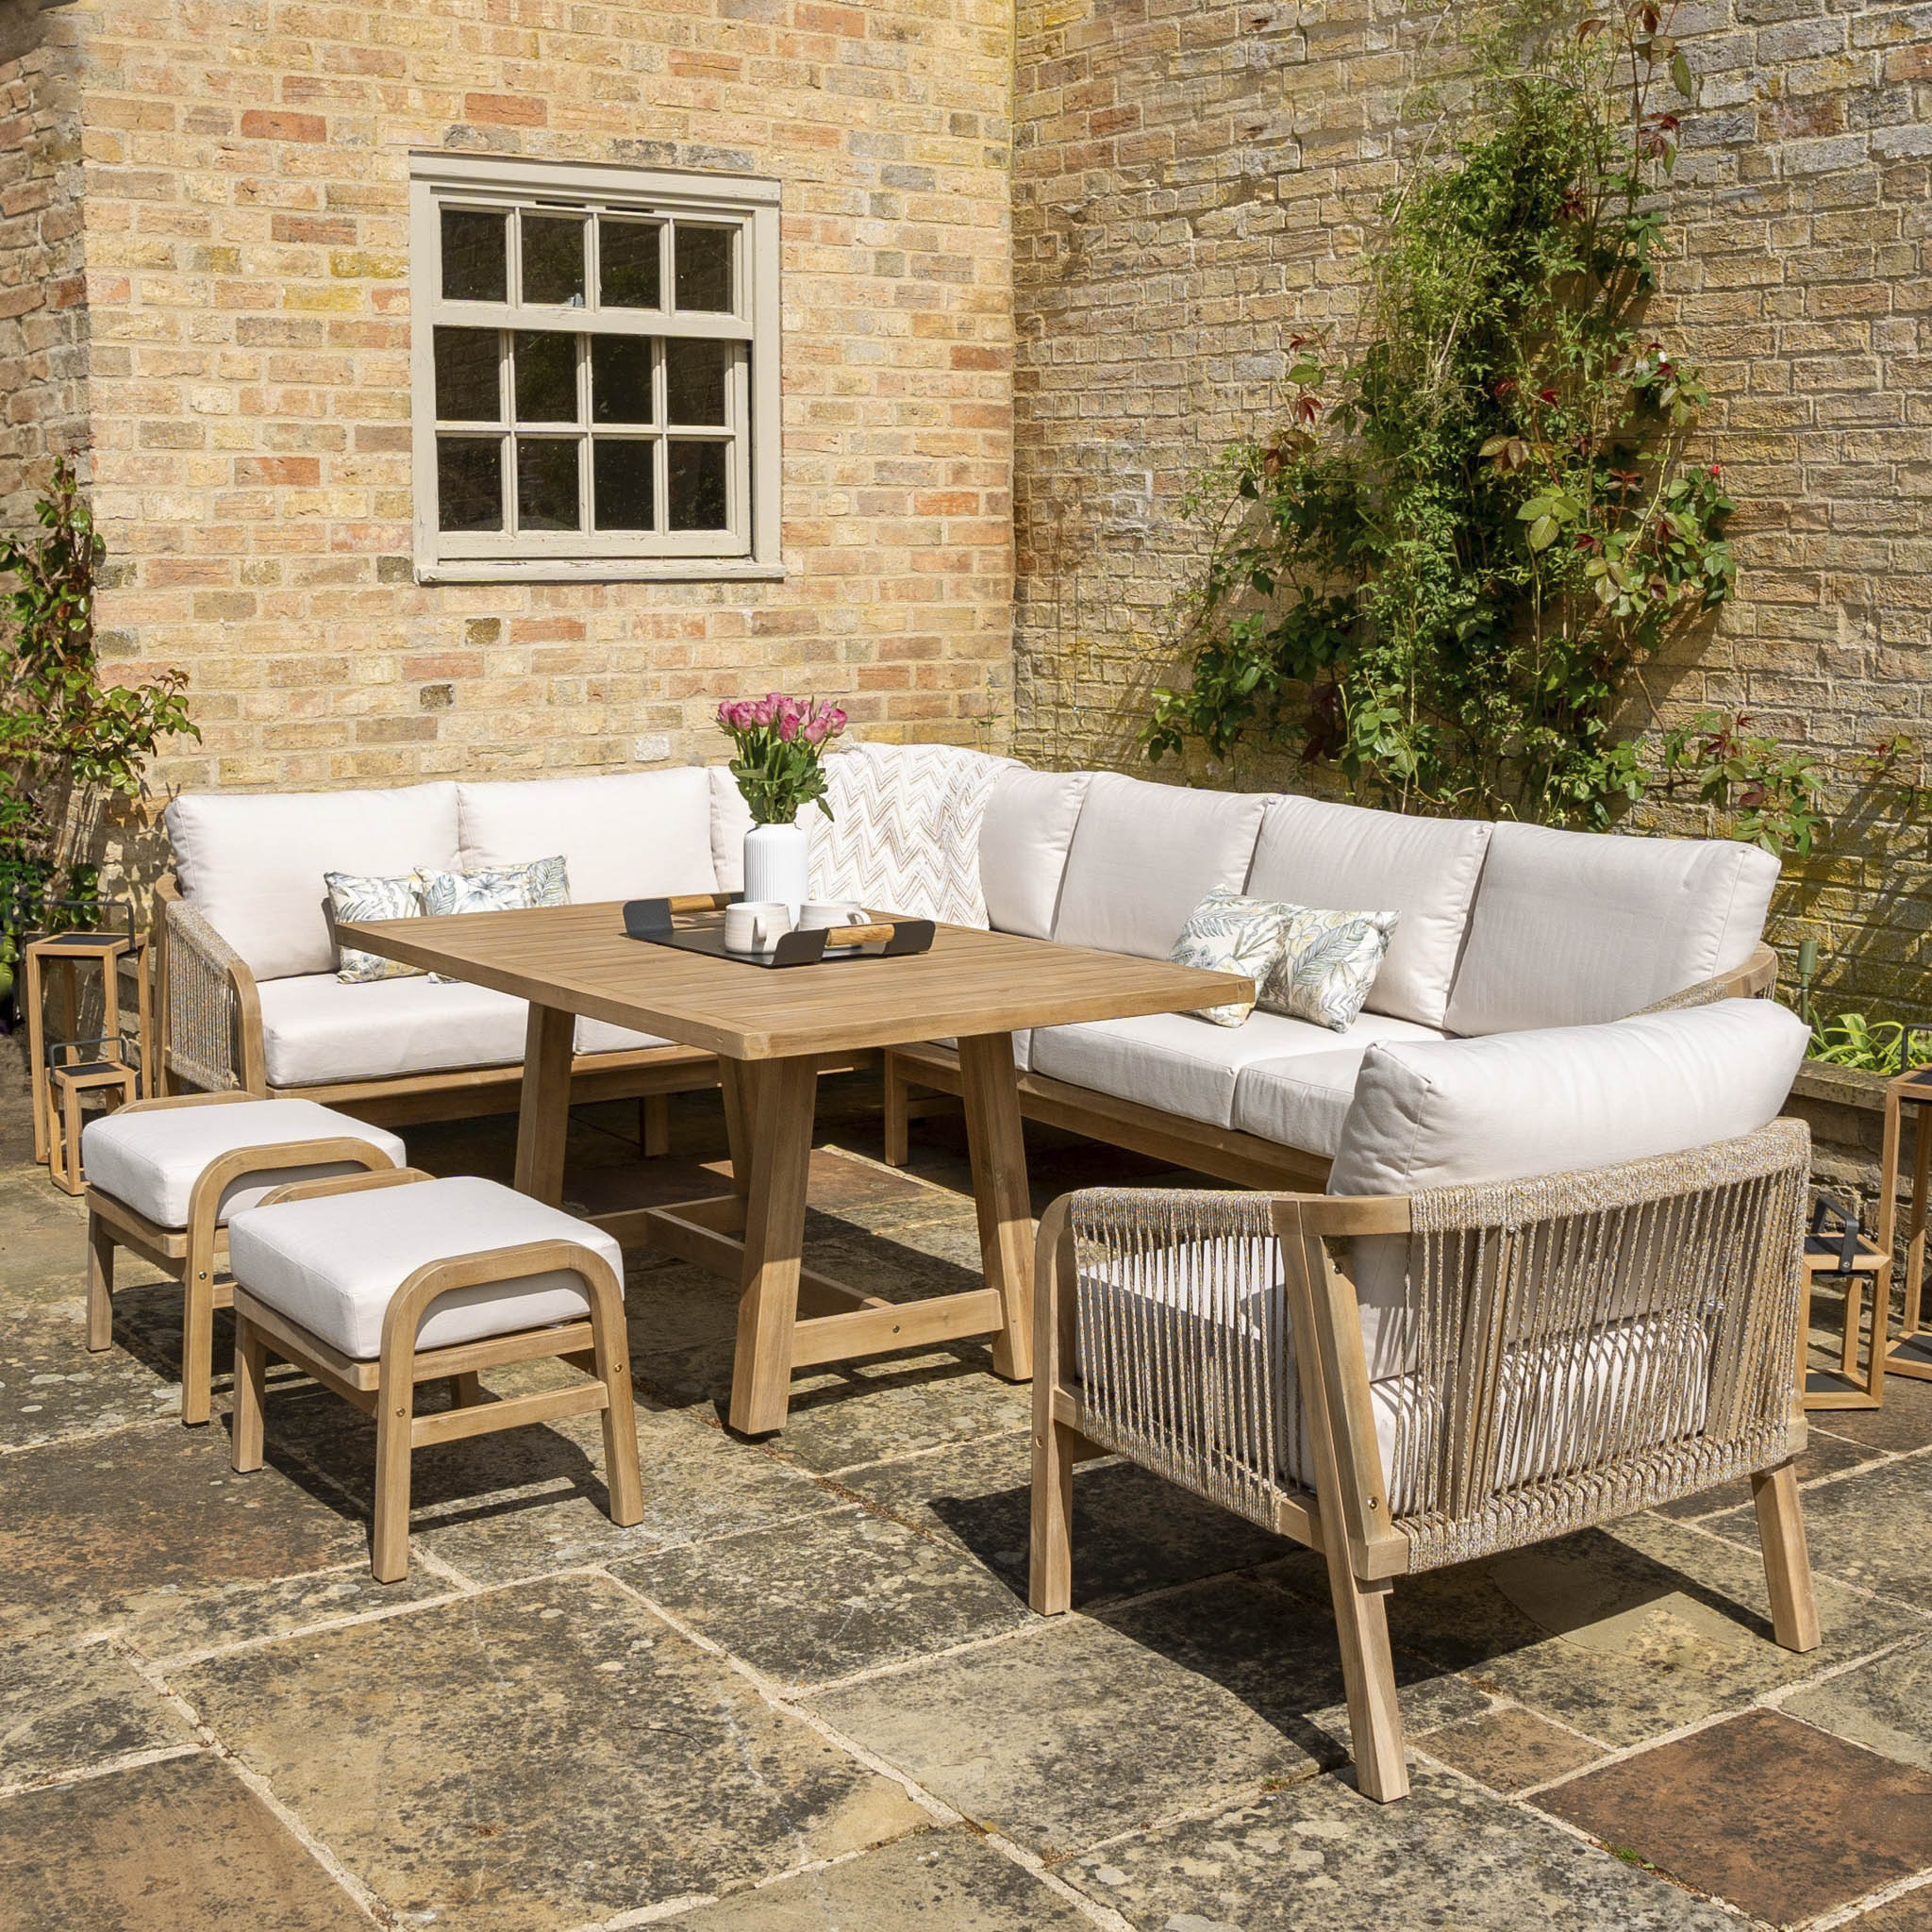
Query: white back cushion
{"x":1431,"y":1113}
{"x":1311,"y":852}
{"x":1023,"y":839}
{"x":251,"y":863}
{"x":1512,"y":1105}
{"x":1144,"y":856}
{"x":1571,"y":928}
{"x":730,"y":822}
{"x":635,"y":835}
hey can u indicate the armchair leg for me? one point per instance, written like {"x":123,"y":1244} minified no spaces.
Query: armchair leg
{"x":1050,"y":1569}
{"x":1787,"y":1558}
{"x":654,"y":1124}
{"x":100,"y":1284}
{"x":1368,"y":1670}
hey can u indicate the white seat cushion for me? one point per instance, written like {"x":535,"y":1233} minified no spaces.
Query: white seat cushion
{"x":1302,"y":1102}
{"x":1572,"y":927}
{"x":1144,"y":856}
{"x":600,"y":1036}
{"x":316,"y":1031}
{"x":1183,"y":1065}
{"x":634,"y":835}
{"x":151,"y":1161}
{"x":332,"y":1265}
{"x":1311,"y":852}
{"x":1024,"y":840}
{"x":730,"y":821}
{"x":251,"y":863}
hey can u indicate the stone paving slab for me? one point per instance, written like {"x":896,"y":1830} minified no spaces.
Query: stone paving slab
{"x":952,"y":1881}
{"x":544,"y":1756}
{"x":859,"y":1413}
{"x":64,"y":1706}
{"x":1084,"y":1726}
{"x":1622,"y":1634}
{"x":1883,"y":1705}
{"x":527,"y":1501}
{"x":89,"y":1522}
{"x":1132,"y":1532}
{"x":52,"y":1386}
{"x":830,"y":1595}
{"x":1910,"y":1912}
{"x":1876,"y":1531}
{"x":1320,"y":1855}
{"x":1510,"y":1750}
{"x":182,"y":1845}
{"x":1784,"y":1821}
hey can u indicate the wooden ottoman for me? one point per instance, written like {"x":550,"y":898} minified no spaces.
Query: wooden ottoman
{"x":375,"y":1282}
{"x":165,"y":1175}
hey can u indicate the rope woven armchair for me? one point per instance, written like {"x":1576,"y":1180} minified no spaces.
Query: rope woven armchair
{"x":1407,"y":1381}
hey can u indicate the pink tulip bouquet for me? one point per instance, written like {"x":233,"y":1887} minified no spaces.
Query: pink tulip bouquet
{"x":781,"y":744}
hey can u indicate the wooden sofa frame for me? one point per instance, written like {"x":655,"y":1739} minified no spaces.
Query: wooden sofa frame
{"x":924,"y":1080}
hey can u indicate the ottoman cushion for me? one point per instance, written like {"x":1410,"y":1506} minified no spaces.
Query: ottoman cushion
{"x":150,"y":1161}
{"x":331,"y":1265}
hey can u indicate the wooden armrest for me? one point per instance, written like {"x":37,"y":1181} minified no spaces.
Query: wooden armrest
{"x":345,"y":1184}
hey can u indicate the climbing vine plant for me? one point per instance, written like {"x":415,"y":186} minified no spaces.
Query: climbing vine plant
{"x":1439,"y":575}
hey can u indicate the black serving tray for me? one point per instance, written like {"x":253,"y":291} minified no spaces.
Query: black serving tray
{"x":652,"y":921}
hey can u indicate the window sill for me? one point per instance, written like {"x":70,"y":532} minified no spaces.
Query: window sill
{"x":595,"y":570}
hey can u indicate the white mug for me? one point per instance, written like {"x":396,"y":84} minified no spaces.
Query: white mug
{"x":829,"y":913}
{"x":755,"y":925}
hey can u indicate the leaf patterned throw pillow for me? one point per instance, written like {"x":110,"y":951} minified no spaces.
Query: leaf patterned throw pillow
{"x":1227,"y":933}
{"x":496,"y":888}
{"x":1326,"y":964}
{"x":351,"y":898}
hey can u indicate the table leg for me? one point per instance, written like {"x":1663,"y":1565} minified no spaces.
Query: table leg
{"x":544,"y":1110}
{"x":735,"y":1082}
{"x":778,"y":1096}
{"x":998,"y":1147}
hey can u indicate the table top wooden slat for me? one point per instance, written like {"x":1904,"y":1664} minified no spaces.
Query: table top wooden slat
{"x":579,"y":957}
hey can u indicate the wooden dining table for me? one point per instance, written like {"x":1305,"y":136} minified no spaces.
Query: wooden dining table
{"x":770,"y":1028}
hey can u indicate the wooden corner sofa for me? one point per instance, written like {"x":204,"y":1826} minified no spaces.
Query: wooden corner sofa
{"x":1504,"y":928}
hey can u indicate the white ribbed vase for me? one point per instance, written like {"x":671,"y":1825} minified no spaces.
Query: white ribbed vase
{"x":775,"y":865}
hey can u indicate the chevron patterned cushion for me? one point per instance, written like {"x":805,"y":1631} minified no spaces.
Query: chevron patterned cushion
{"x":904,"y":836}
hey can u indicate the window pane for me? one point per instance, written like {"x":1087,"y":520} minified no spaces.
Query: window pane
{"x":467,"y":390}
{"x":620,"y":379}
{"x":553,"y":259}
{"x":546,"y":483}
{"x":629,"y":264}
{"x":695,"y":381}
{"x":697,"y":486}
{"x":546,"y":376}
{"x":621,"y":475}
{"x":469,"y":483}
{"x":475,"y":257}
{"x":704,"y":268}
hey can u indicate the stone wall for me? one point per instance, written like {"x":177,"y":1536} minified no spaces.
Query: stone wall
{"x":246,"y":171}
{"x":1193,"y":182}
{"x":42,"y":319}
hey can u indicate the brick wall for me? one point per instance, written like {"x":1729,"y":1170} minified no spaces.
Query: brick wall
{"x":247,"y":283}
{"x":1193,"y":181}
{"x":42,"y":319}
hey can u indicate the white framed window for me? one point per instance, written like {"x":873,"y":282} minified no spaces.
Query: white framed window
{"x":593,"y":371}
